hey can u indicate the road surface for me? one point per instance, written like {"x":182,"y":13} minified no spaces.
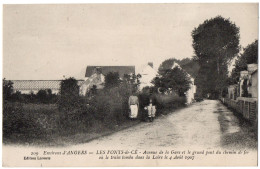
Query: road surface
{"x":207,"y":124}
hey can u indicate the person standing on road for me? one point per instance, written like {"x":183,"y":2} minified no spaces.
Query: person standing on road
{"x":151,"y":108}
{"x":133,"y":106}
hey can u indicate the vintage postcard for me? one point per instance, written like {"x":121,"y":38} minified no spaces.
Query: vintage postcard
{"x":155,"y":85}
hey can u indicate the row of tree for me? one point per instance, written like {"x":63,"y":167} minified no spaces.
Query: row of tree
{"x":42,"y":96}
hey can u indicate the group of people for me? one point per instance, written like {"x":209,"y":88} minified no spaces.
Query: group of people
{"x":147,"y":110}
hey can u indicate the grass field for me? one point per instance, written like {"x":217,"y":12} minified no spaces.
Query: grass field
{"x":45,"y":125}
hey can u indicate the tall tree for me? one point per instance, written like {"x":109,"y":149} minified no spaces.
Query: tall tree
{"x":249,"y":56}
{"x":216,"y":43}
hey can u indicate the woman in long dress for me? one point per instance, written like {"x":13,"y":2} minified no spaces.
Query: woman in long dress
{"x":133,"y":105}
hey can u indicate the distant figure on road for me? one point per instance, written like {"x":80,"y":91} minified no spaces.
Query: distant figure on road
{"x":133,"y":105}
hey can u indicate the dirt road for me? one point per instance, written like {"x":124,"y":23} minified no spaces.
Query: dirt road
{"x":207,"y":124}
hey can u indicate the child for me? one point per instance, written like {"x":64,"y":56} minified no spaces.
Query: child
{"x":151,"y":110}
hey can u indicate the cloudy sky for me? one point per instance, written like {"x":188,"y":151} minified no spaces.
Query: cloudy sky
{"x":49,"y":41}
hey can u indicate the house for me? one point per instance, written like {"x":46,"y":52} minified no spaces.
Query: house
{"x":253,"y":84}
{"x":95,"y":75}
{"x":252,"y":68}
{"x":247,"y":77}
{"x":122,"y":70}
{"x":97,"y":79}
{"x":148,"y":73}
{"x":252,"y":80}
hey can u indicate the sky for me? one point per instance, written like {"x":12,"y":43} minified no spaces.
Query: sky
{"x":48,"y":42}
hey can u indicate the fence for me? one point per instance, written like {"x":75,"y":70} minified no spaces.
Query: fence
{"x":247,"y":107}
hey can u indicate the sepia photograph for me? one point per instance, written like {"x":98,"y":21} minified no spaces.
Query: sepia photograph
{"x":130,"y":85}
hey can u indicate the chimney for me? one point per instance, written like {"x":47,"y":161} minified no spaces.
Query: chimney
{"x":150,"y":64}
{"x":97,"y":70}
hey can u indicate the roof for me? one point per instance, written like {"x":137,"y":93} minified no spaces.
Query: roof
{"x":254,"y":72}
{"x":38,"y":84}
{"x":122,"y":70}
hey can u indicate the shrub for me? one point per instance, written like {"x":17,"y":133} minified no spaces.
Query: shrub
{"x":169,"y":101}
{"x":132,"y":81}
{"x":112,"y":80}
{"x":42,"y":96}
{"x":198,"y":97}
{"x":18,"y":97}
{"x":100,"y":106}
{"x":110,"y":105}
{"x":69,"y":94}
{"x":19,"y":123}
{"x":7,"y":89}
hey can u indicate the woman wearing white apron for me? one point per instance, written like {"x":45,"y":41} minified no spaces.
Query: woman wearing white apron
{"x":133,"y":105}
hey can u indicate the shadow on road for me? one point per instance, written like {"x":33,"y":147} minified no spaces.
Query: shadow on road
{"x":237,"y":133}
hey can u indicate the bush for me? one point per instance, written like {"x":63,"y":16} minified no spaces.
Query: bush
{"x":18,"y":97}
{"x":69,"y":95}
{"x":112,"y":79}
{"x":42,"y":96}
{"x":100,"y":106}
{"x":7,"y":89}
{"x":108,"y":106}
{"x":169,"y":101}
{"x":18,"y":123}
{"x":111,"y":106}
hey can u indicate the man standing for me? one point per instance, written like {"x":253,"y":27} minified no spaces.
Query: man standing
{"x":133,"y":105}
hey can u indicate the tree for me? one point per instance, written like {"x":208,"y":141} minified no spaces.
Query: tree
{"x":7,"y":89}
{"x":249,"y":56}
{"x":189,"y":65}
{"x":174,"y":79}
{"x":216,"y":43}
{"x":69,"y":94}
{"x":112,"y":80}
{"x":132,"y":81}
{"x":166,"y":65}
{"x":42,"y":96}
{"x":49,"y":91}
